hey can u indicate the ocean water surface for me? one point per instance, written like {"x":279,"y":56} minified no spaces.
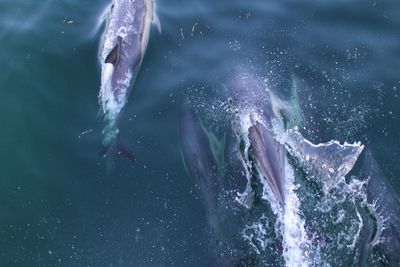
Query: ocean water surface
{"x":61,"y":204}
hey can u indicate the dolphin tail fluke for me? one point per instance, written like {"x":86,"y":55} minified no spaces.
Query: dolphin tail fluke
{"x":117,"y":149}
{"x":121,"y":150}
{"x":125,"y":152}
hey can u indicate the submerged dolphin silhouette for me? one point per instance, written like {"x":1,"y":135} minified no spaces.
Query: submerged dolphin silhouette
{"x":199,"y":161}
{"x":121,"y":53}
{"x":382,"y":234}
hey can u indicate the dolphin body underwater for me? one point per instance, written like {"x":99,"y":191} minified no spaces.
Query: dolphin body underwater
{"x":121,"y":51}
{"x":200,"y":161}
{"x":381,"y":239}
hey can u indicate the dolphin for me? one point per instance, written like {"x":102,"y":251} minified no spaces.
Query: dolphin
{"x":382,"y":239}
{"x":259,"y":112}
{"x":121,"y":51}
{"x":200,"y":161}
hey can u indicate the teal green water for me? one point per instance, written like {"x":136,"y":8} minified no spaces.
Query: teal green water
{"x":58,"y":204}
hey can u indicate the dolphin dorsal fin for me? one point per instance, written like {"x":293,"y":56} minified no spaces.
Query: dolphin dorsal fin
{"x":113,"y":55}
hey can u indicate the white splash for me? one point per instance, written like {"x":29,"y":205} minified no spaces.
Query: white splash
{"x":295,"y":241}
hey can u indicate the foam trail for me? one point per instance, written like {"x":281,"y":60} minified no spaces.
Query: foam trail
{"x":295,"y":240}
{"x":289,"y":222}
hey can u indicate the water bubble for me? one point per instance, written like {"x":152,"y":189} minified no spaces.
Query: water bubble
{"x":235,"y":45}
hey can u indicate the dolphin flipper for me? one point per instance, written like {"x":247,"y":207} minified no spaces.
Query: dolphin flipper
{"x":102,"y":18}
{"x":156,"y":19}
{"x":217,"y":146}
{"x":289,"y":111}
